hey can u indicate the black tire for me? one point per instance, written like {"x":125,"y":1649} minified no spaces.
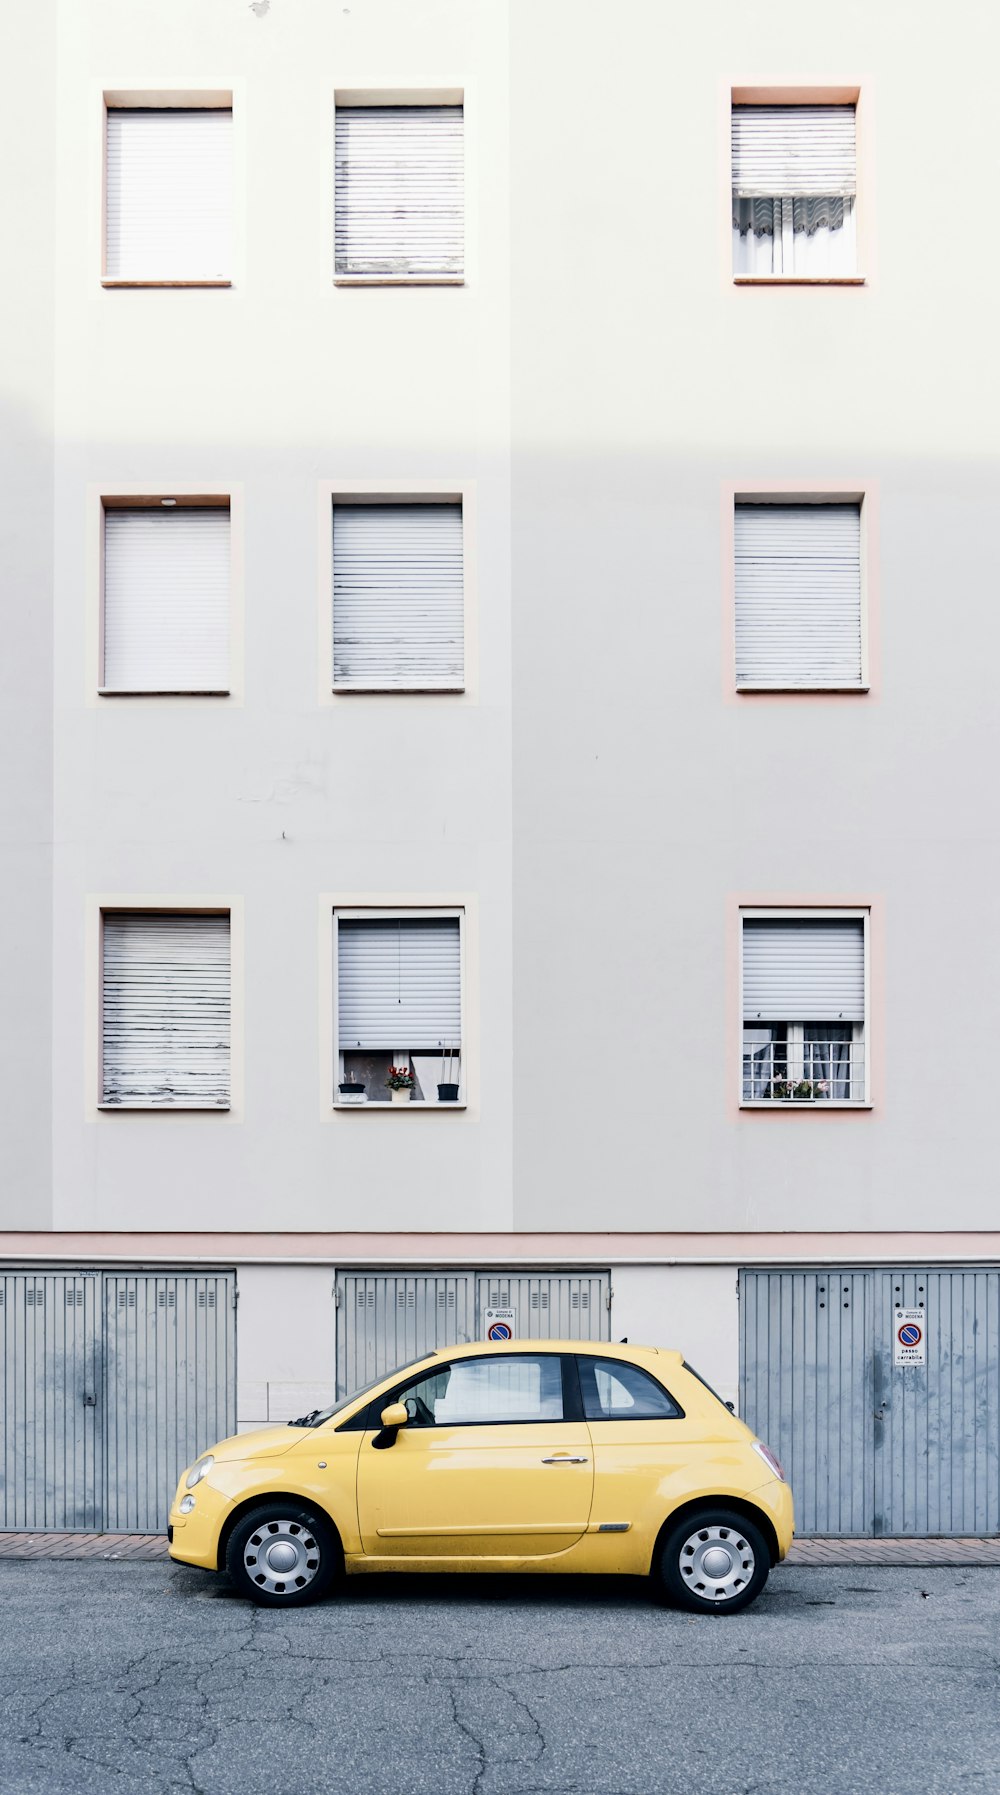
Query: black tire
{"x":691,"y":1569}
{"x":304,"y":1556}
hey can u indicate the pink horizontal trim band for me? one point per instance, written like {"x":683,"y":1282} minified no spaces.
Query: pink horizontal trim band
{"x":526,"y":1249}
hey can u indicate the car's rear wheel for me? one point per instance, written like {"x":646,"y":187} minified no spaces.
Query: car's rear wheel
{"x":714,"y":1562}
{"x":282,"y":1555}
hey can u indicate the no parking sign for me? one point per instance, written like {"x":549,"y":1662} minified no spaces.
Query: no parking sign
{"x":500,"y":1324}
{"x":909,"y":1337}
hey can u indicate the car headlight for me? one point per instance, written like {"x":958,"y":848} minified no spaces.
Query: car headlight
{"x":186,"y":1505}
{"x":199,"y":1469}
{"x":773,"y":1463}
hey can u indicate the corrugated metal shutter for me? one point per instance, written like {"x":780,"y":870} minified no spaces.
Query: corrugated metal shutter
{"x":800,"y":969}
{"x":550,"y":1305}
{"x":398,"y":604}
{"x":169,"y":195}
{"x":170,"y":1381}
{"x":166,"y":1005}
{"x":798,"y":595}
{"x":166,"y":600}
{"x":50,"y":1401}
{"x":399,"y":982}
{"x":399,"y":190}
{"x":792,"y":150}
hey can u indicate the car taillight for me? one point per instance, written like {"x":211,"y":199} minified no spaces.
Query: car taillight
{"x":773,"y":1464}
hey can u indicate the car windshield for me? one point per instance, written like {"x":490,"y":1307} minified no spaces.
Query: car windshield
{"x":316,"y":1417}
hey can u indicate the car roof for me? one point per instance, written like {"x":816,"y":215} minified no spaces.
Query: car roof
{"x":611,"y":1349}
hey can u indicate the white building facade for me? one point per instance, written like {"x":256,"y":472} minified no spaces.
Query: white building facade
{"x":500,"y":601}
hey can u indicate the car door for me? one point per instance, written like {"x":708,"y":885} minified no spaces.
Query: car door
{"x":486,"y":1467}
{"x":644,"y":1446}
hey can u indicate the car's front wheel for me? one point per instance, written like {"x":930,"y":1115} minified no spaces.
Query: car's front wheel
{"x":281,"y":1555}
{"x":714,"y":1562}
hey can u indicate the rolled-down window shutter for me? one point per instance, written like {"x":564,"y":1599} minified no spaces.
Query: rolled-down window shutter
{"x":169,"y":195}
{"x":166,"y":1010}
{"x":793,"y":151}
{"x":399,"y":190}
{"x":399,"y":983}
{"x":398,"y":602}
{"x":798,"y":595}
{"x":166,"y":600}
{"x":797,"y":969}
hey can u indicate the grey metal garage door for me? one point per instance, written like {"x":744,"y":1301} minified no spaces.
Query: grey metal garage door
{"x":871,"y":1445}
{"x":385,"y":1319}
{"x":111,"y":1383}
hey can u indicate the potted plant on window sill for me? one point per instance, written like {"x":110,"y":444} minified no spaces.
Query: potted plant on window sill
{"x":448,"y":1088}
{"x":400,"y":1083}
{"x":350,"y":1091}
{"x":798,"y":1090}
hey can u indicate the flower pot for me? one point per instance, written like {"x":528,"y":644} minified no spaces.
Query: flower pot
{"x":447,"y":1093}
{"x":402,"y":1096}
{"x":349,"y":1092}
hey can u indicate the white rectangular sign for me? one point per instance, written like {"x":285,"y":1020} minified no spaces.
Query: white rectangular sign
{"x":909,"y":1337}
{"x":499,"y":1324}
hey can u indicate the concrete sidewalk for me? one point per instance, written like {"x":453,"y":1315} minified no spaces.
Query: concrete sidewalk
{"x":817,"y":1550}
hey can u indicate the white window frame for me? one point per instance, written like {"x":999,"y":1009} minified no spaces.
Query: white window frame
{"x":206,"y":99}
{"x":862,"y":1030}
{"x":761,"y":94}
{"x":346,"y":97}
{"x":392,"y":913}
{"x":825,"y":496}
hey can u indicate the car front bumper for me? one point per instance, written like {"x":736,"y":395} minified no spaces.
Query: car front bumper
{"x":194,"y":1538}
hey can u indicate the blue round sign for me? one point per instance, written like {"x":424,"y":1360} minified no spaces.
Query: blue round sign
{"x":500,"y":1331}
{"x":910,"y":1334}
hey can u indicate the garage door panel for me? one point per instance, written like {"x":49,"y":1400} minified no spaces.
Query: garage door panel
{"x":51,"y":1402}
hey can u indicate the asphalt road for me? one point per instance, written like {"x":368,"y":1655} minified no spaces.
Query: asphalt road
{"x":137,"y":1679}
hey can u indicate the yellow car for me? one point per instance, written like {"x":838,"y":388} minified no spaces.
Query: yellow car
{"x":541,"y":1455}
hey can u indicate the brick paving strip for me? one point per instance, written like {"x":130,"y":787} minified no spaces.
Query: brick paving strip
{"x":818,"y":1550}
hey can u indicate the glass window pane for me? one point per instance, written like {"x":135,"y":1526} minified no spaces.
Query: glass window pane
{"x":613,"y":1391}
{"x":512,"y":1387}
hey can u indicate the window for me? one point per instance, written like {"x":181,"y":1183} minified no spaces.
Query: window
{"x":166,"y":598}
{"x":804,"y":1002}
{"x":613,"y":1391}
{"x":399,"y":193}
{"x":478,"y":1392}
{"x":794,"y":182}
{"x":165,"y":1010}
{"x":169,"y":196}
{"x":398,"y":597}
{"x":798,"y":597}
{"x":399,"y":1006}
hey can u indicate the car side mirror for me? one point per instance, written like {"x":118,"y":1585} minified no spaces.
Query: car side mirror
{"x":392,"y":1419}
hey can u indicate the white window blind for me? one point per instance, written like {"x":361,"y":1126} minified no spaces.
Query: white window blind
{"x":169,"y":195}
{"x":166,"y":600}
{"x":801,"y":969}
{"x":399,"y":191}
{"x":398,"y":597}
{"x":399,"y":983}
{"x":794,"y":180}
{"x":798,"y":596}
{"x":795,"y":151}
{"x":166,"y":1010}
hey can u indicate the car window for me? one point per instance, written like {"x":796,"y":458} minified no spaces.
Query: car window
{"x":511,"y":1387}
{"x":614,"y":1391}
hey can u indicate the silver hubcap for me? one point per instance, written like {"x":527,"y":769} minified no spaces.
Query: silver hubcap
{"x":716,"y":1563}
{"x":281,"y":1556}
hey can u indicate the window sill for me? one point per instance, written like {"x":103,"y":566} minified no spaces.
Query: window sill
{"x":753,"y":690}
{"x":399,"y":280}
{"x":813,"y":1103}
{"x":395,"y":691}
{"x":799,"y":280}
{"x":165,"y":1109}
{"x":106,"y":281}
{"x":163,"y":692}
{"x":400,"y":1109}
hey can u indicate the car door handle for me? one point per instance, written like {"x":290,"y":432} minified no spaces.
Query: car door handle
{"x":565,"y":1458}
